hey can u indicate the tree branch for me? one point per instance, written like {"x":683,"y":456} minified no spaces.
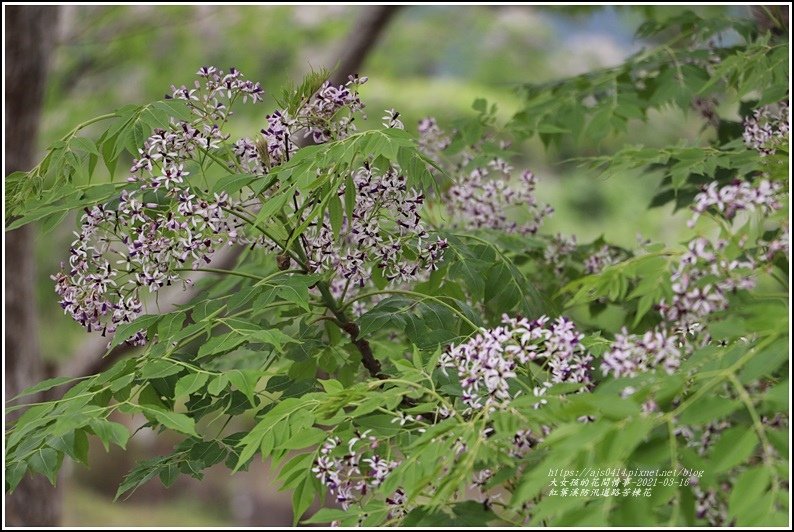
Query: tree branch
{"x":361,"y":40}
{"x":368,"y":360}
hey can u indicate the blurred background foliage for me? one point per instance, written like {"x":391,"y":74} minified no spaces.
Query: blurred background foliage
{"x":432,"y":60}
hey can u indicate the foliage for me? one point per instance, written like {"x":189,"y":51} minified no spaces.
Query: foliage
{"x":387,"y":327}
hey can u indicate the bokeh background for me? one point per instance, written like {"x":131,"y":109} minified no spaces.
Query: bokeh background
{"x":430,"y":60}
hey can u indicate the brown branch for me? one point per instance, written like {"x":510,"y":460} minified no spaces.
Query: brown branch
{"x":368,"y":360}
{"x":360,"y":41}
{"x":89,"y":359}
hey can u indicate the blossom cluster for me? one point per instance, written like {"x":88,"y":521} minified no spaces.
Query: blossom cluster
{"x":737,"y":196}
{"x":384,"y":228}
{"x":603,"y":257}
{"x":558,"y":249}
{"x":151,"y":244}
{"x":212,"y":98}
{"x":523,"y":442}
{"x":767,"y":126}
{"x":210,"y":101}
{"x":321,"y":115}
{"x":432,"y":139}
{"x":484,"y":198}
{"x":632,"y":354}
{"x":709,"y":507}
{"x":350,"y":471}
{"x":142,"y":241}
{"x":701,"y":282}
{"x":326,"y":115}
{"x":486,"y":364}
{"x":484,"y":195}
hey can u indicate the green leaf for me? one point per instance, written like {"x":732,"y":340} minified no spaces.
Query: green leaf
{"x":80,"y":448}
{"x":327,"y":515}
{"x":332,"y":386}
{"x":709,"y":409}
{"x":746,"y":492}
{"x":43,"y":386}
{"x":267,"y":425}
{"x":14,"y":474}
{"x":335,"y":214}
{"x":189,"y":384}
{"x":73,"y":444}
{"x":302,"y":498}
{"x":733,"y":448}
{"x":390,"y":311}
{"x":170,"y":324}
{"x":295,"y":289}
{"x":169,"y":474}
{"x":296,"y":468}
{"x":110,"y":432}
{"x":218,"y":384}
{"x":245,"y":381}
{"x":157,"y":369}
{"x":308,"y":437}
{"x":172,"y":420}
{"x":233,"y":182}
{"x":144,"y":471}
{"x":777,"y":396}
{"x":272,"y":206}
{"x":126,"y":330}
{"x":273,"y":337}
{"x":47,"y":462}
{"x":350,"y":197}
{"x":220,"y":344}
{"x":84,"y":144}
{"x":765,"y":362}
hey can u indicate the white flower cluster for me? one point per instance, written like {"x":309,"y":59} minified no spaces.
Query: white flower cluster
{"x":631,"y":354}
{"x":558,"y":249}
{"x":701,"y":282}
{"x":605,"y":256}
{"x":326,"y":115}
{"x":383,"y":224}
{"x":432,"y":140}
{"x":321,"y":116}
{"x":487,"y":363}
{"x":351,"y":475}
{"x":485,"y":196}
{"x":737,"y":196}
{"x":152,"y":244}
{"x":483,"y":200}
{"x":156,"y":231}
{"x":767,"y":126}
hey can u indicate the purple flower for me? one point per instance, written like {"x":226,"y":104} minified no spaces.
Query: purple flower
{"x":487,"y":362}
{"x":767,"y":127}
{"x":631,"y":354}
{"x":701,"y":281}
{"x":599,"y":260}
{"x":738,"y":196}
{"x":384,"y":230}
{"x":351,"y":476}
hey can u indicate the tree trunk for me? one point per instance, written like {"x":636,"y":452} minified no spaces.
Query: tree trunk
{"x":29,"y":36}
